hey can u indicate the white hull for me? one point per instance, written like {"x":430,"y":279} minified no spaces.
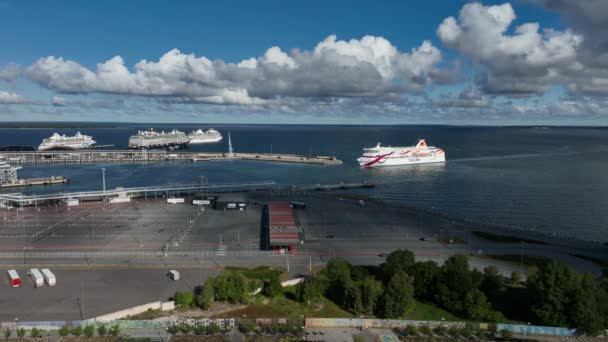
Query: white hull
{"x":62,"y":142}
{"x":401,"y":161}
{"x":205,"y":140}
{"x":380,"y":156}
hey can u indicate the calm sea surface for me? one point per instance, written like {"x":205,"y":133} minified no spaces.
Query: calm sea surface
{"x":551,"y":180}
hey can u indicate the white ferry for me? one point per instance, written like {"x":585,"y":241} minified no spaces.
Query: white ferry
{"x":389,"y":156}
{"x":203,"y":137}
{"x":151,"y":139}
{"x":63,"y":142}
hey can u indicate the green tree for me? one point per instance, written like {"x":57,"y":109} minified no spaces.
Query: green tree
{"x":208,"y":294}
{"x":492,"y":283}
{"x":515,"y":278}
{"x":102,"y":330}
{"x":371,"y":291}
{"x":34,"y":333}
{"x":184,"y":298}
{"x":399,"y":260}
{"x":272,"y":286}
{"x":7,"y":333}
{"x":64,"y":331}
{"x":353,"y":299}
{"x":21,"y":333}
{"x":398,"y":296}
{"x":89,"y":331}
{"x":476,"y":306}
{"x":310,"y":290}
{"x":77,"y":331}
{"x":589,"y":310}
{"x":456,"y":281}
{"x":232,"y":286}
{"x":115,"y":330}
{"x":339,"y":279}
{"x":426,"y":277}
{"x":552,"y":287}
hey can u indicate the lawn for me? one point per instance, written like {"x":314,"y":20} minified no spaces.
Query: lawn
{"x":537,"y":261}
{"x":259,"y":273}
{"x":428,"y":312}
{"x":286,"y":306}
{"x":504,"y":238}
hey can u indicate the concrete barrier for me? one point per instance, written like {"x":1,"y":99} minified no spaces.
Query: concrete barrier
{"x":136,"y":310}
{"x":290,"y":282}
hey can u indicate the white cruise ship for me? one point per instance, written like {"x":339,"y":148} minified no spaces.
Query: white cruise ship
{"x":204,"y":137}
{"x":63,"y":142}
{"x":152,"y":139}
{"x":388,"y":156}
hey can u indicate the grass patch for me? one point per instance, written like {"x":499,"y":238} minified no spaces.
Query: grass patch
{"x":285,"y":305}
{"x":504,"y":238}
{"x":537,"y":261}
{"x":259,"y":273}
{"x":428,"y":312}
{"x":601,"y":263}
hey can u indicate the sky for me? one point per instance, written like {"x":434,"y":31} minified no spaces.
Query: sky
{"x":311,"y":62}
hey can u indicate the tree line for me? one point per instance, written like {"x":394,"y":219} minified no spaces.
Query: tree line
{"x":554,"y":294}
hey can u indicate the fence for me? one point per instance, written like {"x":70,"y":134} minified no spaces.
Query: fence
{"x":361,"y":323}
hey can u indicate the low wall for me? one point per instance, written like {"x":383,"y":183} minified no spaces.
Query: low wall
{"x":290,"y":282}
{"x":359,"y":323}
{"x":163,"y":306}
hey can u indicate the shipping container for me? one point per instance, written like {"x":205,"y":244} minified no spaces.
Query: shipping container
{"x":120,"y":200}
{"x":37,"y":277}
{"x":49,"y":277}
{"x":72,"y":202}
{"x":175,"y":200}
{"x":14,"y":277}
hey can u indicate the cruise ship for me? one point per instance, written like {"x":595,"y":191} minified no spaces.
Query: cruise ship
{"x":421,"y":153}
{"x":63,"y":142}
{"x":204,"y":137}
{"x":151,"y":139}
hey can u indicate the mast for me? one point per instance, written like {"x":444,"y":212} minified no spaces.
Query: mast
{"x":230,"y":152}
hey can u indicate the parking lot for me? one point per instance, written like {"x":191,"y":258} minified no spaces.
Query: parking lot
{"x":87,"y":293}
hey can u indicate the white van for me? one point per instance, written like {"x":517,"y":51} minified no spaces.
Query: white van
{"x":36,"y":276}
{"x":49,"y":277}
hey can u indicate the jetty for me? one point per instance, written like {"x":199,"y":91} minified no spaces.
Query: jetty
{"x":148,"y":156}
{"x":35,"y":181}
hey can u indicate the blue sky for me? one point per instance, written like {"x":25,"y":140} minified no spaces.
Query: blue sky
{"x":349,"y":79}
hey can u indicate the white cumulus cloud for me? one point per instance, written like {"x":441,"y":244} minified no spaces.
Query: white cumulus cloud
{"x":11,"y":98}
{"x":369,"y":67}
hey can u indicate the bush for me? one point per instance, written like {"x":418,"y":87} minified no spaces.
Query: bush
{"x":272,"y":286}
{"x":440,"y":330}
{"x":102,"y":330}
{"x":506,"y":335}
{"x":467,"y":330}
{"x":425,"y":330}
{"x":184,"y":299}
{"x":115,"y":330}
{"x":174,"y":329}
{"x":34,"y":333}
{"x":411,"y":330}
{"x":453,"y":331}
{"x":64,"y":331}
{"x":205,"y":300}
{"x":77,"y":331}
{"x":89,"y":331}
{"x":20,"y":332}
{"x":198,"y":329}
{"x":185,"y":328}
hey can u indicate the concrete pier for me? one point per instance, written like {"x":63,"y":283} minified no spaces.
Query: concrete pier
{"x":35,"y":181}
{"x":145,"y":156}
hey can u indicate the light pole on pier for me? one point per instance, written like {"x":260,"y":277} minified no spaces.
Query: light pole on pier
{"x":103,"y":178}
